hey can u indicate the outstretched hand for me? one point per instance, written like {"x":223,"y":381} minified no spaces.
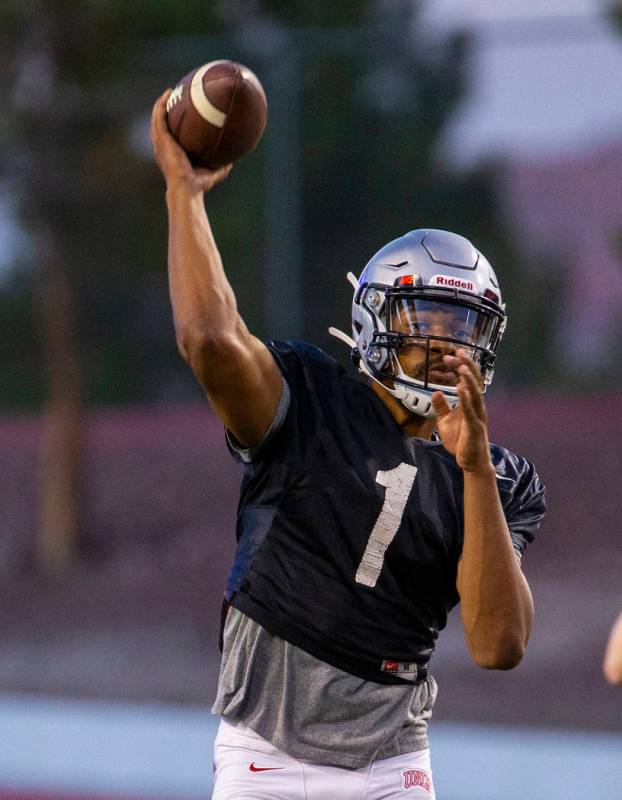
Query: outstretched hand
{"x":464,"y":429}
{"x":172,"y":159}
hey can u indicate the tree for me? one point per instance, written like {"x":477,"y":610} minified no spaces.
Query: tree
{"x":69,"y":89}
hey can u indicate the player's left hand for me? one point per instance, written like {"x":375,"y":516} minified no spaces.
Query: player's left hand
{"x":464,"y":429}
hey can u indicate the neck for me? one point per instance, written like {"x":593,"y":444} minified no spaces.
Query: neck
{"x":411,"y":424}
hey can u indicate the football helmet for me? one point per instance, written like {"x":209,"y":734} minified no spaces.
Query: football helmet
{"x":421,"y":297}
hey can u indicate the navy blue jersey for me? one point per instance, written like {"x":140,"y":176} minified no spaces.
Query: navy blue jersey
{"x":349,"y":531}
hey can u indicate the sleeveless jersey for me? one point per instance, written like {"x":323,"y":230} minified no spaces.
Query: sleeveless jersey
{"x":349,"y":531}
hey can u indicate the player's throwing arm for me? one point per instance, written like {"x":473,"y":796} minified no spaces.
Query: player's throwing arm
{"x":235,"y":368}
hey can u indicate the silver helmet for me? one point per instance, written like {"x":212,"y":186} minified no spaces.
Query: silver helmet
{"x":421,"y":297}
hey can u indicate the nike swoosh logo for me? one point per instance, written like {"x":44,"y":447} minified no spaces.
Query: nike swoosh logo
{"x":253,"y":768}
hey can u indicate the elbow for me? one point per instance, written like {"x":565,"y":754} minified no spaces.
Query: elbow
{"x":201,"y":344}
{"x":502,"y":655}
{"x":195,"y":340}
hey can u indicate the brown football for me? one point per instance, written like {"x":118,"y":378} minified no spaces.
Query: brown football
{"x":217,"y":113}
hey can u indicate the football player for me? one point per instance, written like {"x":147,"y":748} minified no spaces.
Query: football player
{"x":369,"y":508}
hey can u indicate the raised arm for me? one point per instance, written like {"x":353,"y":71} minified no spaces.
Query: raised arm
{"x":495,"y":600}
{"x":237,"y":371}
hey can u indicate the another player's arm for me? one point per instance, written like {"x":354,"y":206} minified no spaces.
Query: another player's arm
{"x":237,"y":371}
{"x":496,"y":603}
{"x":612,"y":665}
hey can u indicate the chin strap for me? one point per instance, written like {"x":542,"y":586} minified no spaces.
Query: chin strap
{"x":415,"y":400}
{"x":353,"y":281}
{"x":343,"y":337}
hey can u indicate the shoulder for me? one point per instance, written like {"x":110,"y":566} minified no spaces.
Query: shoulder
{"x":292,"y":352}
{"x":521,"y":490}
{"x":511,"y":467}
{"x":305,"y":367}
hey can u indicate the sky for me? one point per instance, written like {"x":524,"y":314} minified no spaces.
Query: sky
{"x":546,"y":77}
{"x":545,"y":93}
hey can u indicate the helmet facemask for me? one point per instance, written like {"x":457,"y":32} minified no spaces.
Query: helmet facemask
{"x":414,"y":328}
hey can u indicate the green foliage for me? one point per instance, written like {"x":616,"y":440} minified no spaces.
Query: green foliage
{"x":21,"y":369}
{"x":615,"y":13}
{"x":320,"y":13}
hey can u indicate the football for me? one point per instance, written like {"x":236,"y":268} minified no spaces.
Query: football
{"x":217,"y":113}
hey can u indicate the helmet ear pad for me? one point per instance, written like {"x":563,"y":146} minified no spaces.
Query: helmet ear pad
{"x":377,"y":357}
{"x":367,"y":321}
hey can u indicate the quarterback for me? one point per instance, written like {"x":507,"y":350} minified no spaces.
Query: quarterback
{"x":370,"y":506}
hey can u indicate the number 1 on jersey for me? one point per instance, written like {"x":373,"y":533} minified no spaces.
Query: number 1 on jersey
{"x":398,"y":483}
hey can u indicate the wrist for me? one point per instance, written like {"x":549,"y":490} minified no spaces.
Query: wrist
{"x":480,"y":472}
{"x":182,"y":188}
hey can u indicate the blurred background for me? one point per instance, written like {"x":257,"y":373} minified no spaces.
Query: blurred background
{"x":501,"y":121}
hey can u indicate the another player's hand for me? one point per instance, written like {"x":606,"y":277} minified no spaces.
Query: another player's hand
{"x":171,"y":158}
{"x":464,"y":430}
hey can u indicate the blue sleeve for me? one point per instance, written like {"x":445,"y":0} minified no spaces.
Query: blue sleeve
{"x":522,"y":496}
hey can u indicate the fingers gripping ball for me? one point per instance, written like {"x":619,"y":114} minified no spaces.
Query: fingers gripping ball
{"x":217,"y":113}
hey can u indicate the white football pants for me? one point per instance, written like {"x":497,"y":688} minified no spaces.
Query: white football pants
{"x":248,"y":767}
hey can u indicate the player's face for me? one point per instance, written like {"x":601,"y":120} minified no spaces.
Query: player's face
{"x":424,"y":318}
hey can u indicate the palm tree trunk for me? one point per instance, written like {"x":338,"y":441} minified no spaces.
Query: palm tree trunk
{"x":57,"y":539}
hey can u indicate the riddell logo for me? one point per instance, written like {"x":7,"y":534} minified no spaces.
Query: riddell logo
{"x":453,"y":283}
{"x":417,"y":777}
